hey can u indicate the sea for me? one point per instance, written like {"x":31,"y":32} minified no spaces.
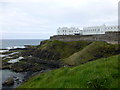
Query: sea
{"x":14,"y":43}
{"x":11,"y":43}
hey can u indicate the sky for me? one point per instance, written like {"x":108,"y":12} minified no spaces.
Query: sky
{"x":39,"y":19}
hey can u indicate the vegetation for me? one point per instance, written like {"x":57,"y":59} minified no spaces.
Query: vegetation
{"x":92,"y":52}
{"x":55,"y":50}
{"x":102,"y":73}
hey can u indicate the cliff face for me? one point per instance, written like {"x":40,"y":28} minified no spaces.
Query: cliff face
{"x":72,"y":52}
{"x":110,"y":37}
{"x":55,"y":50}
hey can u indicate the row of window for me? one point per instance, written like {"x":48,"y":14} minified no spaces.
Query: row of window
{"x":69,"y":31}
{"x":112,"y":28}
{"x":92,"y":30}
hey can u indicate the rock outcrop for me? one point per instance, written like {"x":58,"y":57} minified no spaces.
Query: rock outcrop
{"x":8,"y":82}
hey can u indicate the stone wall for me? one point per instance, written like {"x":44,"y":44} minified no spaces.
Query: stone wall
{"x":110,"y":37}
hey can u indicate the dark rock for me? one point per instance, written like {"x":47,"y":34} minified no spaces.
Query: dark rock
{"x":9,"y":81}
{"x":18,"y":49}
{"x":20,"y":66}
{"x":46,"y":54}
{"x":5,"y":65}
{"x":49,"y":63}
{"x":16,"y":79}
{"x":20,"y":81}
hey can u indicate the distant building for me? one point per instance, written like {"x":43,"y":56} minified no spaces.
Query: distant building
{"x":112,"y":28}
{"x":94,"y":30}
{"x":86,"y":30}
{"x":68,"y":31}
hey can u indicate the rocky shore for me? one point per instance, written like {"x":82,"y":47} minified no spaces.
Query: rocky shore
{"x":50,"y":55}
{"x":14,"y":60}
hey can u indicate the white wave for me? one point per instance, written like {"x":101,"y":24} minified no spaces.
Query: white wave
{"x":20,"y":58}
{"x":14,"y":47}
{"x":13,"y":53}
{"x":1,"y":51}
{"x":6,"y":58}
{"x":1,"y":56}
{"x":15,"y":60}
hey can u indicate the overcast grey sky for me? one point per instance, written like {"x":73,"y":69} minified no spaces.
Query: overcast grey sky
{"x":39,"y":19}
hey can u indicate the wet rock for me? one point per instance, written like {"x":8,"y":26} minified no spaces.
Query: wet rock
{"x":16,"y":79}
{"x":20,"y":81}
{"x":9,"y":81}
{"x":18,"y":49}
{"x":20,"y":66}
{"x":5,"y":65}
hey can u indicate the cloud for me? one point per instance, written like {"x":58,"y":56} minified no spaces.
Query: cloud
{"x":45,"y":16}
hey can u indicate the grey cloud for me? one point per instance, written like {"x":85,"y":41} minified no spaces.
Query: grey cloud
{"x":46,"y":16}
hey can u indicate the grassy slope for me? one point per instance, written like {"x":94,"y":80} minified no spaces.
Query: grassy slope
{"x":91,"y":52}
{"x":55,"y":50}
{"x":102,"y":73}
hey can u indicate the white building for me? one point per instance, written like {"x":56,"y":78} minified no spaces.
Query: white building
{"x":112,"y":28}
{"x":86,"y":30}
{"x":68,"y":31}
{"x":94,"y":30}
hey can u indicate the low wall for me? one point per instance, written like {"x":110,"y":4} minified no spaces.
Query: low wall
{"x":110,"y":37}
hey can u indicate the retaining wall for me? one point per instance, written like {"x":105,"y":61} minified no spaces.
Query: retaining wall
{"x":110,"y":37}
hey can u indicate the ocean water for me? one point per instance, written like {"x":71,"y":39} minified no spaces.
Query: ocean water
{"x":9,"y":43}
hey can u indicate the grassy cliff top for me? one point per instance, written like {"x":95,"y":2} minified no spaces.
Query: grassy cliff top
{"x":55,"y":50}
{"x":91,"y":52}
{"x":73,"y":52}
{"x":102,"y":73}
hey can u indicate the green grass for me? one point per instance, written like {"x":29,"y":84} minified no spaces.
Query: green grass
{"x":55,"y":50}
{"x":102,"y":73}
{"x":91,"y":52}
{"x":73,"y":52}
